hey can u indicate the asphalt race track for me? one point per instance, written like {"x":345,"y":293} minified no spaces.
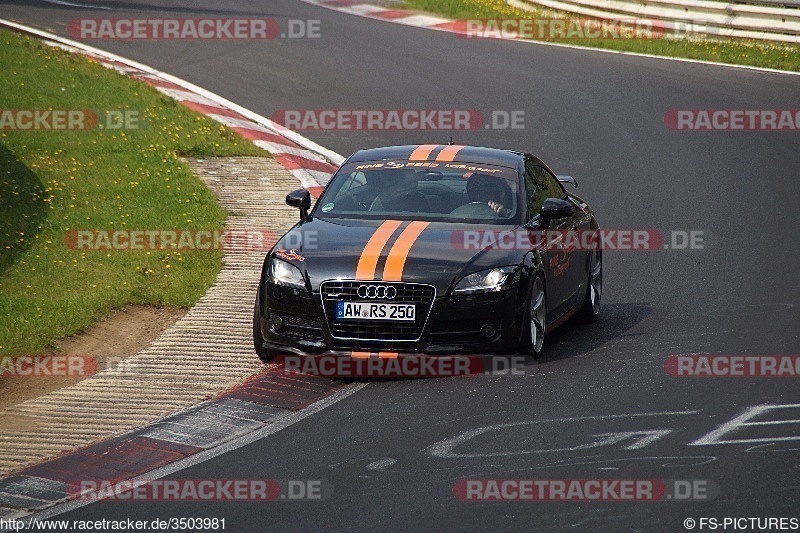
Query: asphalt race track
{"x":599,"y":404}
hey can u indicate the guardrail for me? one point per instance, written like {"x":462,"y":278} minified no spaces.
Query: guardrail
{"x":691,"y":16}
{"x":773,"y":3}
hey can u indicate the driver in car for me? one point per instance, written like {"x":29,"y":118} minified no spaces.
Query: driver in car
{"x":492,"y":191}
{"x":397,"y":192}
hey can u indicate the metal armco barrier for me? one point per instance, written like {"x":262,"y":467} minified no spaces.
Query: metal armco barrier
{"x":763,"y":22}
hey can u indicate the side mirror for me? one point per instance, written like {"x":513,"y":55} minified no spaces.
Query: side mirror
{"x":301,"y":199}
{"x":553,"y":208}
{"x":568,"y":179}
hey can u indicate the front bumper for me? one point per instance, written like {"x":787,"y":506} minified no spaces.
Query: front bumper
{"x":294,"y":322}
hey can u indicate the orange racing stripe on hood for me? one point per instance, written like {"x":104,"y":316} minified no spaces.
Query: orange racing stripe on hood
{"x":396,"y":260}
{"x":368,"y":261}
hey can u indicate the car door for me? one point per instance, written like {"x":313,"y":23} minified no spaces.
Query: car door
{"x":572,"y":260}
{"x":556,"y":257}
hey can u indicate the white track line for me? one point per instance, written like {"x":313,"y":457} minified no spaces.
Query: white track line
{"x":70,"y":4}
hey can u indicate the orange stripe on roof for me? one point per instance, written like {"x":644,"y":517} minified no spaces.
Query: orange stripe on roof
{"x":368,"y":261}
{"x":422,"y":152}
{"x":449,"y":152}
{"x":396,"y":260}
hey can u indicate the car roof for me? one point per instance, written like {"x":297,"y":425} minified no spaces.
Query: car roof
{"x":442,"y":152}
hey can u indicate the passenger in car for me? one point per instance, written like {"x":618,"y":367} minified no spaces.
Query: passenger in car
{"x":397,"y":192}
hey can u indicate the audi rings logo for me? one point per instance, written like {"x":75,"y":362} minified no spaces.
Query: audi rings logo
{"x":376,"y":292}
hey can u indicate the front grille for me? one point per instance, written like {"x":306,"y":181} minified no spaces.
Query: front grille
{"x":373,"y":330}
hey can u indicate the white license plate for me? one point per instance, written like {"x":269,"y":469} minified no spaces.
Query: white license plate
{"x":374,"y":311}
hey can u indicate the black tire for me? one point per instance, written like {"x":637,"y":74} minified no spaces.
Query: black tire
{"x":590,"y":311}
{"x":535,"y":320}
{"x":265,"y":354}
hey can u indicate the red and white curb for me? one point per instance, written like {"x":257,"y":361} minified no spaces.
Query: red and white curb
{"x":398,"y":16}
{"x":310,"y":163}
{"x":258,"y":407}
{"x":261,"y":405}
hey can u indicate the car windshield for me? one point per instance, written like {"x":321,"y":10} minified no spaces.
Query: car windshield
{"x":423,"y":190}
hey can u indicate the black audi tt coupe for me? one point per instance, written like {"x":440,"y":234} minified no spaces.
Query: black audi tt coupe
{"x":430,"y":249}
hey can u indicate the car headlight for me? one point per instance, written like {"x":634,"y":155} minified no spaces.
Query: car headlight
{"x":491,"y":280}
{"x":283,"y":273}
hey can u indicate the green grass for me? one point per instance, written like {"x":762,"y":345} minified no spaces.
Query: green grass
{"x":52,"y":182}
{"x":722,"y":50}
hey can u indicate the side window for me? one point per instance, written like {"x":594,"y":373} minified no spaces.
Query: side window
{"x":532,"y":188}
{"x":550,"y":184}
{"x":541,"y":184}
{"x":355,"y":181}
